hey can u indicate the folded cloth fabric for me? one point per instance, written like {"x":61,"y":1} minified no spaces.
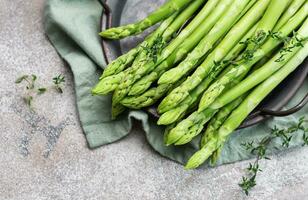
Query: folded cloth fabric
{"x":73,"y":27}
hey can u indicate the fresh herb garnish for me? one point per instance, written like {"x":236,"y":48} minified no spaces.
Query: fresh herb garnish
{"x":153,"y":51}
{"x":58,"y":82}
{"x":255,"y":42}
{"x":31,"y":88}
{"x":28,"y":100}
{"x":41,"y":91}
{"x":289,"y":45}
{"x":260,"y":149}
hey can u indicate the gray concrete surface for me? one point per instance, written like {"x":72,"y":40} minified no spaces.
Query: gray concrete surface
{"x":44,"y":156}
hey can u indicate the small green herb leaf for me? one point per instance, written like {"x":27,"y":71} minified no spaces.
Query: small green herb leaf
{"x":28,"y":100}
{"x":41,"y":91}
{"x":249,"y":181}
{"x":58,"y":82}
{"x":21,"y":79}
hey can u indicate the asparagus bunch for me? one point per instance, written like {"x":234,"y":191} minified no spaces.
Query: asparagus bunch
{"x":232,"y":38}
{"x":195,"y":30}
{"x":215,"y":123}
{"x":218,"y":87}
{"x":208,"y":61}
{"x":190,"y":127}
{"x":179,"y":111}
{"x":247,"y":106}
{"x":114,"y":72}
{"x":178,"y":54}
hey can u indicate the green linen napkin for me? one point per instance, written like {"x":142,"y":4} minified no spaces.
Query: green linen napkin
{"x":72,"y":27}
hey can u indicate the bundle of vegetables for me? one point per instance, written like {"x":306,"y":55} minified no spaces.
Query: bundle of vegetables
{"x":207,"y":65}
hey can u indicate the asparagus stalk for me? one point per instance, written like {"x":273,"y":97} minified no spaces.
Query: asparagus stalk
{"x":191,"y":27}
{"x":292,"y":9}
{"x":178,"y":112}
{"x":116,"y":110}
{"x":177,"y":55}
{"x":232,"y":38}
{"x":167,"y":131}
{"x":247,"y":106}
{"x":219,"y":86}
{"x":121,"y":63}
{"x":269,"y":20}
{"x":160,"y":14}
{"x":189,"y":127}
{"x":146,"y":99}
{"x":108,"y":84}
{"x":142,"y":66}
{"x":217,"y":121}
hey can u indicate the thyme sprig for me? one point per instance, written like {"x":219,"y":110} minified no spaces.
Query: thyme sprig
{"x":260,"y":150}
{"x":31,"y":88}
{"x":255,"y":43}
{"x":58,"y":82}
{"x":153,"y":51}
{"x":289,"y":45}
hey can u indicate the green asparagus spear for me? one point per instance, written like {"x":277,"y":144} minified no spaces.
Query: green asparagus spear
{"x":177,"y":54}
{"x":290,"y":12}
{"x":189,"y":127}
{"x":202,"y":155}
{"x":146,"y":99}
{"x":232,"y":38}
{"x":167,"y":131}
{"x":141,"y":65}
{"x":247,"y":106}
{"x":160,"y":14}
{"x":269,"y":20}
{"x":108,"y":84}
{"x":219,"y":119}
{"x":215,"y":123}
{"x":116,"y":110}
{"x":218,"y":87}
{"x":121,"y":63}
{"x":178,"y":112}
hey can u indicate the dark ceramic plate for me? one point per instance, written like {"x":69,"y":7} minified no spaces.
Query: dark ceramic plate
{"x":119,"y":12}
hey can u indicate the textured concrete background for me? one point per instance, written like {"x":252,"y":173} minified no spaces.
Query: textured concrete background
{"x":43,"y":155}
